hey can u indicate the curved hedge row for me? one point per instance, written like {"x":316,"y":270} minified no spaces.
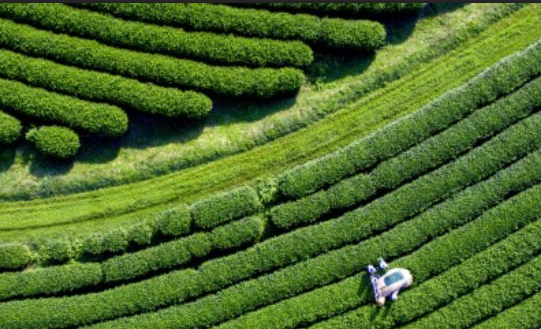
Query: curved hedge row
{"x":486,"y":300}
{"x":283,"y":250}
{"x":346,"y":261}
{"x":103,"y":87}
{"x":261,"y":82}
{"x":56,"y":108}
{"x":326,"y":32}
{"x":215,"y":48}
{"x":65,"y":278}
{"x":10,"y":129}
{"x":54,"y":141}
{"x":49,"y":280}
{"x":343,"y":9}
{"x":222,"y":208}
{"x":527,"y":311}
{"x":464,"y":246}
{"x":499,"y":79}
{"x":421,"y":158}
{"x":179,"y":252}
{"x":344,"y":295}
{"x":175,"y":222}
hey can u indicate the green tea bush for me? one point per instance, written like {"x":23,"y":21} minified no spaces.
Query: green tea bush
{"x":71,"y":112}
{"x":54,"y":141}
{"x":204,"y":46}
{"x":222,"y":208}
{"x":10,"y":128}
{"x":15,"y":256}
{"x":103,"y":87}
{"x":163,"y":70}
{"x":326,"y":32}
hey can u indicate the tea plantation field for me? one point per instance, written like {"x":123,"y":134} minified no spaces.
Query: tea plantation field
{"x":239,"y":166}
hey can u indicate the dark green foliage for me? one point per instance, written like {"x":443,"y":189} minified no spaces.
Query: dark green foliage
{"x":54,"y":141}
{"x":49,"y":280}
{"x":10,"y":128}
{"x":415,"y":161}
{"x":351,"y":191}
{"x":371,"y":10}
{"x":60,"y":109}
{"x":103,"y":87}
{"x":267,"y":189}
{"x":363,"y":35}
{"x":500,"y":79}
{"x":164,"y":70}
{"x":326,"y":32}
{"x":216,"y":48}
{"x":199,"y":244}
{"x":115,"y":241}
{"x":15,"y":256}
{"x":222,"y":208}
{"x":175,"y":221}
{"x":165,"y":256}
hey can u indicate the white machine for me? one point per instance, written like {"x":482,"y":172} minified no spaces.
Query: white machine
{"x":388,"y":284}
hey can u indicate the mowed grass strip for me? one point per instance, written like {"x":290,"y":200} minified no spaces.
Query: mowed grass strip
{"x":156,"y":251}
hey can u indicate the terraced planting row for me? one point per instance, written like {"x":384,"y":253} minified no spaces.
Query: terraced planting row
{"x":327,"y":32}
{"x":479,"y":174}
{"x":100,"y":311}
{"x":66,"y":183}
{"x":269,"y":64}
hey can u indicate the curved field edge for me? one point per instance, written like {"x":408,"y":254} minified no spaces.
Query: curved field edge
{"x":99,"y":211}
{"x":238,"y":127}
